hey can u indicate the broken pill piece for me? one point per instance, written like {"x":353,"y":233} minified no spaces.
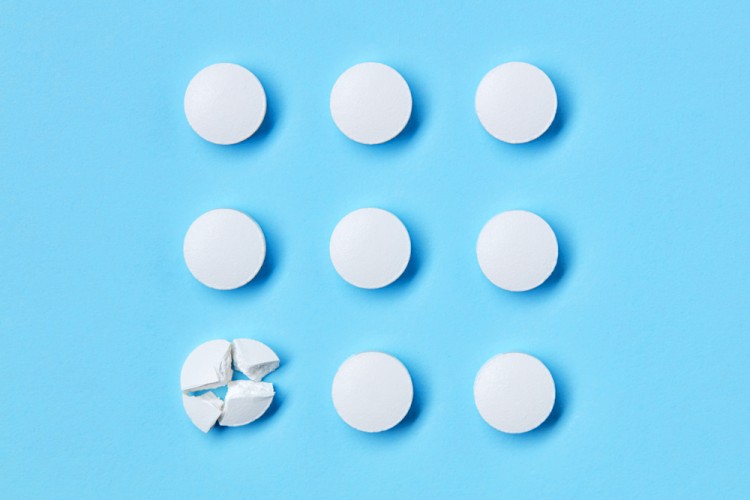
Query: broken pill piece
{"x":517,"y":250}
{"x":224,"y":249}
{"x":371,"y":103}
{"x":254,"y":359}
{"x":245,"y":402}
{"x":370,"y":248}
{"x":514,"y":392}
{"x":208,"y":366}
{"x":372,"y":391}
{"x":225,"y":103}
{"x":203,"y":410}
{"x":516,"y":102}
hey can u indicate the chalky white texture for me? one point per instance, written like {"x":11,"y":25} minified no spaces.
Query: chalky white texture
{"x":514,"y":392}
{"x":203,"y":410}
{"x":224,"y":249}
{"x":516,"y":102}
{"x":370,"y":248}
{"x":225,"y":103}
{"x":209,"y":366}
{"x":371,"y":103}
{"x":517,"y":250}
{"x":254,"y":359}
{"x":372,"y":391}
{"x":245,"y":402}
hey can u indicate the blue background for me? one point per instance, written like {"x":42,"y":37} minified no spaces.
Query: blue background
{"x":644,"y":176}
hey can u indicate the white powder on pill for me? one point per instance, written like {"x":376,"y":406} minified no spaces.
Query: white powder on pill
{"x":517,"y":250}
{"x":514,"y":392}
{"x":225,"y":103}
{"x":224,"y":249}
{"x":516,"y":102}
{"x":372,"y":391}
{"x":371,"y":103}
{"x":370,"y":248}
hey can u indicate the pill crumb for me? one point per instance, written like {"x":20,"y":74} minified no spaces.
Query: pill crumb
{"x":371,"y":103}
{"x":225,"y":103}
{"x":203,"y":410}
{"x":254,"y":359}
{"x":370,"y":248}
{"x":372,"y":391}
{"x":224,"y":249}
{"x":516,"y":102}
{"x":514,"y":392}
{"x":245,"y":402}
{"x":517,"y":250}
{"x":207,"y":367}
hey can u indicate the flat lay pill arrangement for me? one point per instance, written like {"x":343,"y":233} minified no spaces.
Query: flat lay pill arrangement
{"x":370,"y":248}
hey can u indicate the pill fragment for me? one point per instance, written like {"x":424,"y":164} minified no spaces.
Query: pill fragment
{"x":371,"y":103}
{"x":516,"y":102}
{"x":203,"y":410}
{"x":372,"y":391}
{"x":254,"y":359}
{"x":514,"y":392}
{"x":517,"y":250}
{"x":370,"y":248}
{"x":208,"y":366}
{"x":245,"y":402}
{"x":225,"y":103}
{"x":224,"y":249}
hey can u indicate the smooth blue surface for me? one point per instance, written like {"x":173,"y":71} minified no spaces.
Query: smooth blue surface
{"x":644,"y":176}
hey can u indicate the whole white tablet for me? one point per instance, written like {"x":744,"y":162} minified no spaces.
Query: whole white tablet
{"x":224,"y":249}
{"x":372,"y":391}
{"x":516,"y":102}
{"x":371,"y":103}
{"x":225,"y":103}
{"x":514,"y":392}
{"x":370,"y":248}
{"x":517,"y":250}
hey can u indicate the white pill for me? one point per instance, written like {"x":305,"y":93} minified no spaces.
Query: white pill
{"x":514,"y":392}
{"x":370,"y":248}
{"x":517,"y":250}
{"x":245,"y":402}
{"x":372,"y":391}
{"x":207,"y":367}
{"x":254,"y":359}
{"x":225,"y":103}
{"x":224,"y":249}
{"x":371,"y":103}
{"x":516,"y":102}
{"x":203,"y":410}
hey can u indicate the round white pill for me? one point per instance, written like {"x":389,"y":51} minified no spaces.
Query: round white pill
{"x":517,"y":250}
{"x":372,"y":391}
{"x":371,"y":103}
{"x":516,"y":102}
{"x":370,"y":248}
{"x":225,"y":103}
{"x":224,"y":249}
{"x":514,"y":392}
